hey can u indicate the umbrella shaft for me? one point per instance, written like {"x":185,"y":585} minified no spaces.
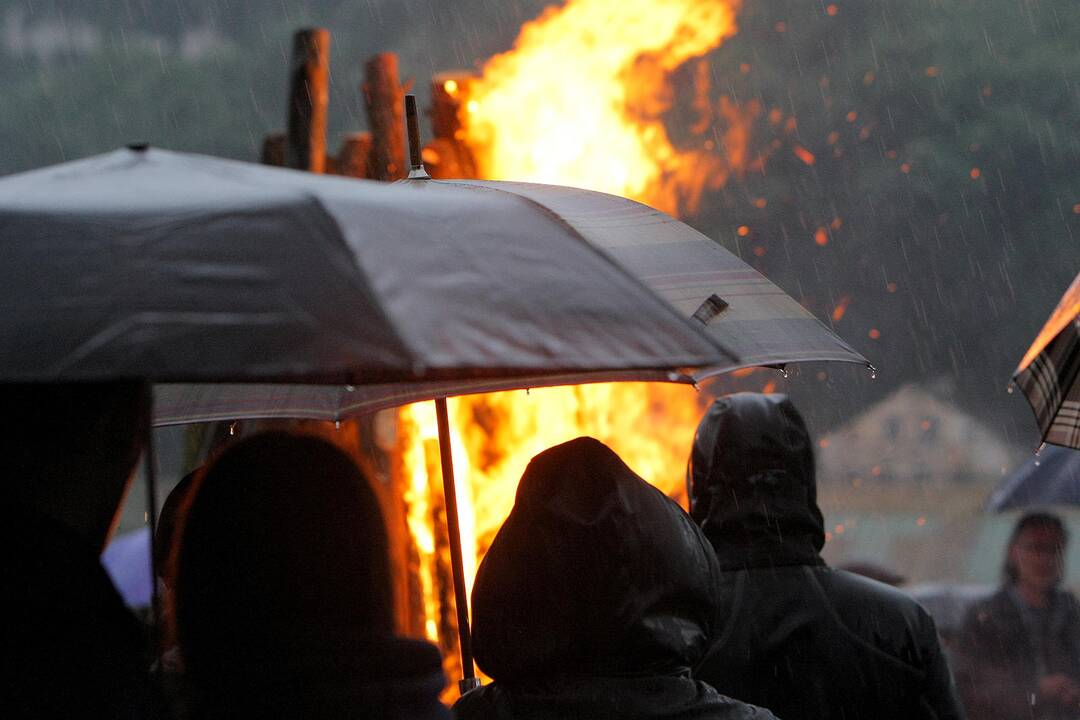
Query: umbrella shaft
{"x":461,"y":599}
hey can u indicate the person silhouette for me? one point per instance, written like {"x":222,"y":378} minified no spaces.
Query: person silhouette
{"x":595,"y":599}
{"x":283,"y":602}
{"x":71,"y":647}
{"x":801,"y":638}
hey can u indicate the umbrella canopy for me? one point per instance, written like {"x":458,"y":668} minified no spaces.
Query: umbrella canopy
{"x":739,"y":307}
{"x":1049,"y":372}
{"x":172,"y":267}
{"x":1050,"y":478}
{"x":322,"y":297}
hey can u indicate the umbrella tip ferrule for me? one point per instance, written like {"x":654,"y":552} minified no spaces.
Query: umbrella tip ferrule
{"x":416,"y":154}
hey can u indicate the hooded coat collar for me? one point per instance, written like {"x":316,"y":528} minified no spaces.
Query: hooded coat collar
{"x":594,"y":573}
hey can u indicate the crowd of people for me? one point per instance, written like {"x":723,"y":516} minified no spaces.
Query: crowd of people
{"x":599,"y":597}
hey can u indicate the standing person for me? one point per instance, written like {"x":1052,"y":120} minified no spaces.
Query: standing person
{"x":70,"y":646}
{"x":800,"y":638}
{"x":596,"y":597}
{"x":283,"y":592}
{"x":1019,"y":650}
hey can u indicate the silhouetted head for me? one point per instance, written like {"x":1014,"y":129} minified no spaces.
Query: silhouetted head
{"x":165,"y":533}
{"x":751,"y":483}
{"x":282,"y":572}
{"x":1036,"y":552}
{"x":68,"y":450}
{"x":595,"y":572}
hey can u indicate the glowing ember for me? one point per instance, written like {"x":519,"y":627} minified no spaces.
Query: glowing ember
{"x":803,"y":154}
{"x":580,"y":99}
{"x":841,"y":308}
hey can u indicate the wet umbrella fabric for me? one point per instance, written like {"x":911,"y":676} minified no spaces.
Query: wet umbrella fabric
{"x":741,"y":309}
{"x":174,"y":267}
{"x":1050,"y":478}
{"x":1049,"y":374}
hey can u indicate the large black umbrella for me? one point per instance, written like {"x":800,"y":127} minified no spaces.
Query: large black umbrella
{"x":172,"y":267}
{"x":259,"y":292}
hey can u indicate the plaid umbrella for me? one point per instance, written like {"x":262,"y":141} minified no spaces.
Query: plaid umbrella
{"x":1049,"y":371}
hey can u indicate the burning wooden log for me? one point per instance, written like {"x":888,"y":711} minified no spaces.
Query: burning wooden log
{"x":447,"y":156}
{"x":354,"y":157}
{"x":309,"y":95}
{"x":273,"y":150}
{"x":384,"y":99}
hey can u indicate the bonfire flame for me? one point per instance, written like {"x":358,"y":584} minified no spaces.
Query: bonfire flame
{"x":493,"y":437}
{"x":580,"y":101}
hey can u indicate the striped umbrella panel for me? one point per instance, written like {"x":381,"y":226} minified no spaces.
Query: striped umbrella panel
{"x":1048,"y":373}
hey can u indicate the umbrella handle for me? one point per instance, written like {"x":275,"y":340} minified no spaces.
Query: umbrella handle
{"x":457,"y":567}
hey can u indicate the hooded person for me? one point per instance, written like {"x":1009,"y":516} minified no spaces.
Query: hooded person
{"x":70,"y":646}
{"x":800,"y":638}
{"x":283,"y":592}
{"x":595,"y":599}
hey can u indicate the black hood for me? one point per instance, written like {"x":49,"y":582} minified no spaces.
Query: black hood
{"x":594,"y":573}
{"x":751,"y":483}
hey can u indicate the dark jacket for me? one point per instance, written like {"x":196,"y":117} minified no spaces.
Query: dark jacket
{"x":385,"y":678}
{"x":800,"y":638}
{"x":998,"y":668}
{"x":595,"y":599}
{"x":71,"y":648}
{"x":284,"y":604}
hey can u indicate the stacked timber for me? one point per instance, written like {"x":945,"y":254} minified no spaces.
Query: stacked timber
{"x":380,"y":152}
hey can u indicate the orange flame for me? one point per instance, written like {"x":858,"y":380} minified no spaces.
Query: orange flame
{"x":580,"y":101}
{"x":493,"y":437}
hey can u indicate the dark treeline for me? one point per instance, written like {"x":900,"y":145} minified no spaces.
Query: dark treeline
{"x":940,"y":218}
